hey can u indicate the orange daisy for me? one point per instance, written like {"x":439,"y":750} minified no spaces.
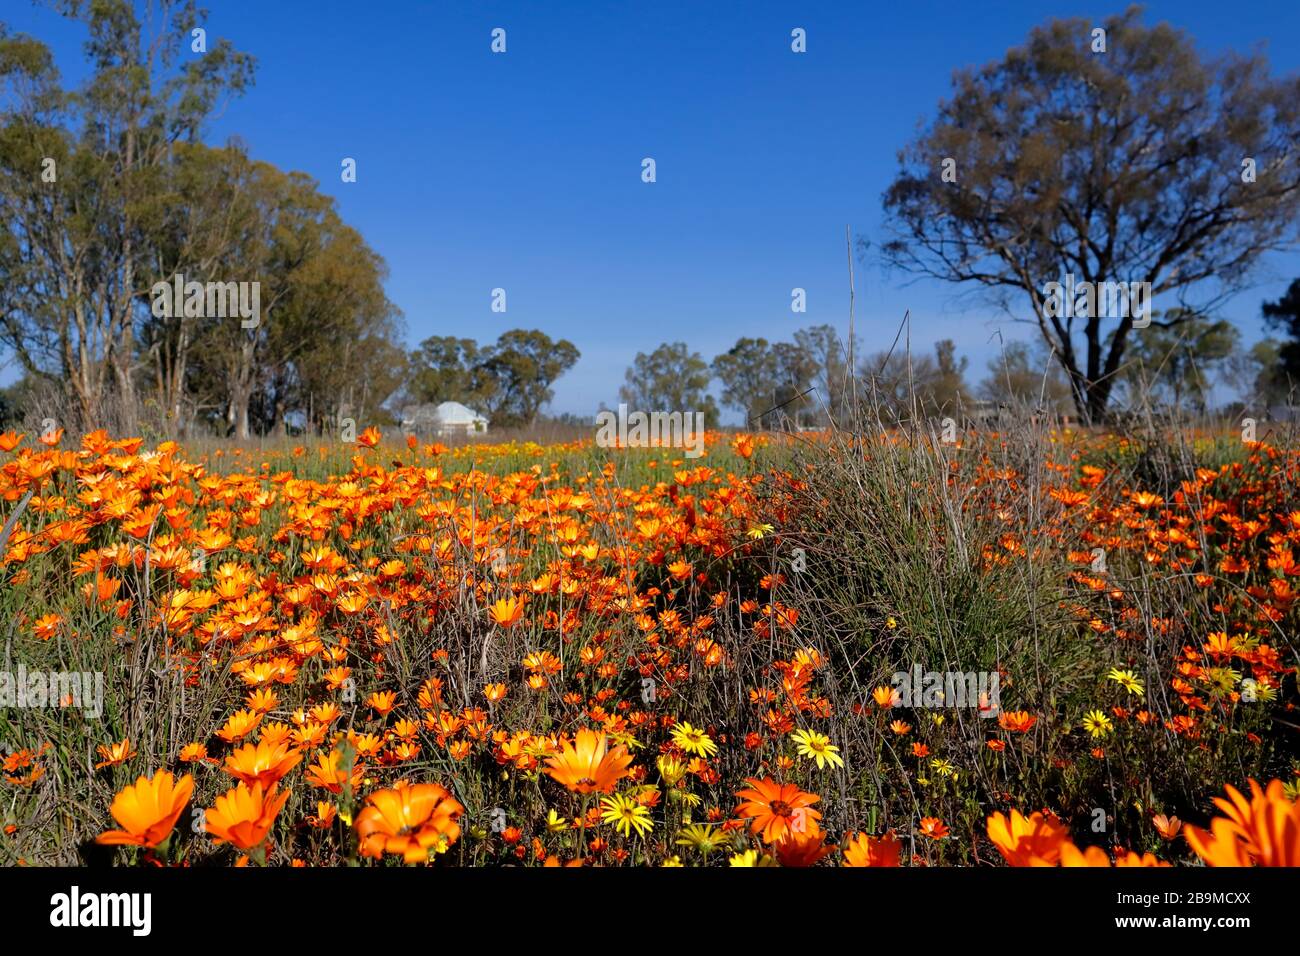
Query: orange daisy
{"x":410,"y":820}
{"x":587,"y":765}
{"x":147,"y":810}
{"x":776,"y":808}
{"x":243,"y":816}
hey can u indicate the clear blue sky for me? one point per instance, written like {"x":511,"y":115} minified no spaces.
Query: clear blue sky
{"x":522,"y":170}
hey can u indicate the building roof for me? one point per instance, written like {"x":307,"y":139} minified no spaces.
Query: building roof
{"x":454,"y":413}
{"x":444,"y":414}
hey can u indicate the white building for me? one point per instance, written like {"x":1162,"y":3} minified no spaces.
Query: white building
{"x":445,"y":419}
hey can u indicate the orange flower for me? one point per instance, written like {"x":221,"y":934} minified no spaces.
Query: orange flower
{"x":326,"y":814}
{"x":1027,"y":841}
{"x":243,"y":817}
{"x":776,"y":808}
{"x":1168,"y":827}
{"x":586,"y":766}
{"x":148,"y":809}
{"x":1261,"y":831}
{"x":263,"y":763}
{"x":1019,"y":721}
{"x":865,"y":850}
{"x":804,"y":848}
{"x":507,"y":611}
{"x":934,"y":828}
{"x":1072,"y":856}
{"x":886,"y":697}
{"x":240,"y":724}
{"x":328,"y":772}
{"x":193,"y":753}
{"x":409,"y":820}
{"x":114,"y":754}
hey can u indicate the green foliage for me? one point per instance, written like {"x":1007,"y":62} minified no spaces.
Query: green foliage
{"x":1023,"y":375}
{"x":1176,"y":359}
{"x":132,"y":198}
{"x":510,"y":380}
{"x":671,"y":378}
{"x":1284,"y":314}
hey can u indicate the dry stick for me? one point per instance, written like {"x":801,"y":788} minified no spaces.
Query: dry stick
{"x":13,"y":520}
{"x":850,"y":372}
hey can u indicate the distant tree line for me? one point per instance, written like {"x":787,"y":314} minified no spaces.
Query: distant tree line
{"x":107,"y":190}
{"x":805,"y":382}
{"x":1136,"y":162}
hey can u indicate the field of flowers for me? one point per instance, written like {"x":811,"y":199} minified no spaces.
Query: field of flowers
{"x":396,"y":653}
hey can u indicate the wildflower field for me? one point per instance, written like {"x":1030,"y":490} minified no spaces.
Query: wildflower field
{"x":398,"y":653}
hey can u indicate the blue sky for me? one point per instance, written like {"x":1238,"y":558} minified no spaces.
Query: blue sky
{"x":522,"y":171}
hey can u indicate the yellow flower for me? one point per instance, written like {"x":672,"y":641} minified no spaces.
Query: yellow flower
{"x":751,"y":858}
{"x":626,"y":815}
{"x":704,"y":837}
{"x":1128,"y":680}
{"x":815,"y":746}
{"x":758,"y":530}
{"x":673,"y":860}
{"x":943,"y":768}
{"x":1096,"y":723}
{"x":694,"y":740}
{"x":671,"y":769}
{"x":556,"y":823}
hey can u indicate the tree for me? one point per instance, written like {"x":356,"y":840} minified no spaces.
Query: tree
{"x":332,"y":342}
{"x":197,"y":226}
{"x":522,"y":365}
{"x":899,"y":382}
{"x":673,"y":379}
{"x":1021,"y":374}
{"x":324,"y":341}
{"x":1128,"y":165}
{"x":821,"y":343}
{"x":79,"y":175}
{"x":1260,"y":376}
{"x":748,"y":375}
{"x":447,"y":369}
{"x":794,"y":371}
{"x":1284,"y":314}
{"x":1176,"y":361}
{"x":948,"y":389}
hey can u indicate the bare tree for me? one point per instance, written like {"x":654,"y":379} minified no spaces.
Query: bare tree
{"x":1119,"y":156}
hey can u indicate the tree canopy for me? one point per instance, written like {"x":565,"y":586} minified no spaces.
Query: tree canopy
{"x":1120,"y":157}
